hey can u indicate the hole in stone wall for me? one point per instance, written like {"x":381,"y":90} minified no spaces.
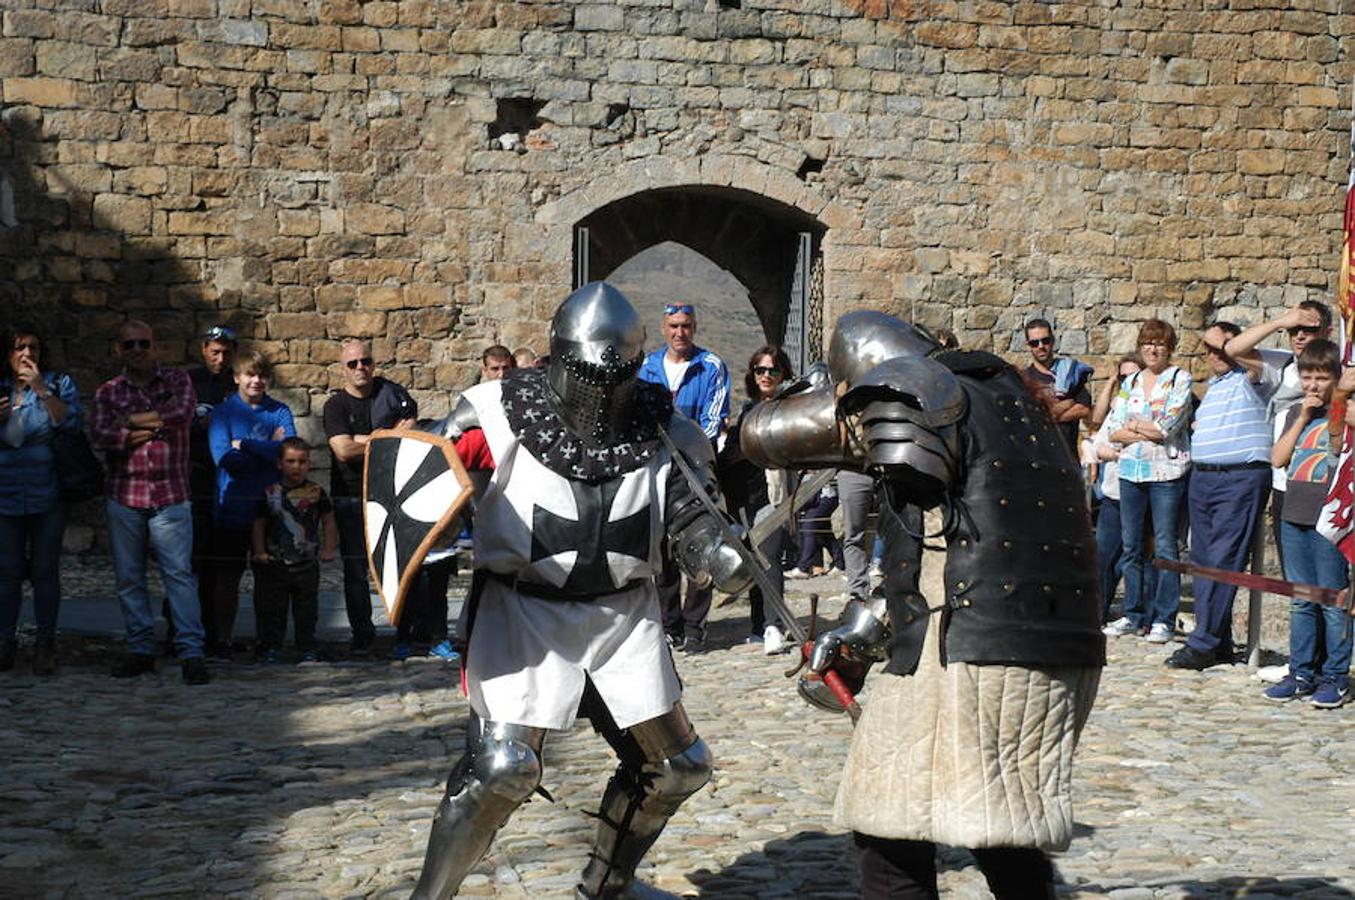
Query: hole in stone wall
{"x":615,"y":111}
{"x":515,"y":116}
{"x":809,"y":167}
{"x":731,"y":4}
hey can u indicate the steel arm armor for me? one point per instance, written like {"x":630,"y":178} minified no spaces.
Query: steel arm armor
{"x":697,"y":539}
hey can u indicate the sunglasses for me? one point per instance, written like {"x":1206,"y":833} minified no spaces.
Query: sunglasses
{"x":1040,"y":342}
{"x":220,"y":333}
{"x":1304,"y":329}
{"x":137,"y":344}
{"x":27,"y":345}
{"x":673,"y":309}
{"x":773,"y":371}
{"x":366,"y":362}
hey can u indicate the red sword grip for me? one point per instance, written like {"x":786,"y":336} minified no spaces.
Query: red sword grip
{"x":841,"y":692}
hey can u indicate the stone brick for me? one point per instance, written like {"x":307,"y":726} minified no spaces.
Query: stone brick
{"x":45,"y":92}
{"x":380,"y":296}
{"x":372,"y":218}
{"x":1260,"y":162}
{"x":130,"y":215}
{"x":283,"y":325}
{"x":599,"y":17}
{"x":359,"y":324}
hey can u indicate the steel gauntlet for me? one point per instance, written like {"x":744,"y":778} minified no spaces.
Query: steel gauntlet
{"x":861,"y":634}
{"x":705,"y":557}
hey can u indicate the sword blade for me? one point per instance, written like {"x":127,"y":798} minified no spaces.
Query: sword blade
{"x":1340,"y":599}
{"x":789,"y":507}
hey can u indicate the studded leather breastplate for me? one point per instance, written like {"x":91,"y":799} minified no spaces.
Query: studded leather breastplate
{"x":1020,"y":577}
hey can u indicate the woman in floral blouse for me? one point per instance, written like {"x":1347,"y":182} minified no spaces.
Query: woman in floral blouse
{"x":1149,"y":425}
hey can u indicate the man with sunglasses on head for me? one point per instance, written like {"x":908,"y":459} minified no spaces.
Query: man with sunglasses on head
{"x":213,"y":382}
{"x":1303,"y":323}
{"x":699,"y":383}
{"x":365,"y":404}
{"x":1064,"y":376}
{"x":141,"y":421}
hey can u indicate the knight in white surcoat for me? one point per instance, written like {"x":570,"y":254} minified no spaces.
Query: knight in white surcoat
{"x":583,"y":504}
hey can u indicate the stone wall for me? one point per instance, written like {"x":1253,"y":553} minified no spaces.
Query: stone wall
{"x":411,"y":170}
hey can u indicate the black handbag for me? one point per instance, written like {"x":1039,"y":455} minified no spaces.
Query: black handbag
{"x":79,"y":474}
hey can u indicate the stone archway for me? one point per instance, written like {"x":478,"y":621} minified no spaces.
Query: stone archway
{"x":693,"y":201}
{"x":752,"y":237}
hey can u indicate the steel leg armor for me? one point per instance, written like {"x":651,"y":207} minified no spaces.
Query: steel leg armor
{"x":663,"y":762}
{"x":500,"y":770}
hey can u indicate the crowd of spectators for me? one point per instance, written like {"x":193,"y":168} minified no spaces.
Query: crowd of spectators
{"x":206,"y":476}
{"x":1178,"y":464}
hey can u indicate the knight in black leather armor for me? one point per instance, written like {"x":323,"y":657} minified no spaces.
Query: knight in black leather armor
{"x":583,"y":504}
{"x":943,"y":752}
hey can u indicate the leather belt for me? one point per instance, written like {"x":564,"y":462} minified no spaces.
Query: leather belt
{"x":1229,"y":467}
{"x":550,"y":592}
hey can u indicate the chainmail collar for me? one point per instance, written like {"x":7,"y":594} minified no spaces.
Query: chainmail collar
{"x":532,"y":417}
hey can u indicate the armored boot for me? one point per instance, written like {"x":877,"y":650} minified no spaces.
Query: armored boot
{"x":499,"y":771}
{"x":644,"y":793}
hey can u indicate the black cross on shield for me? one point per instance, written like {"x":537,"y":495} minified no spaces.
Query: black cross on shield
{"x":591,"y":535}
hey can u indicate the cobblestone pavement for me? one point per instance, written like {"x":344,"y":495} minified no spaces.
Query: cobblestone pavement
{"x":321,"y":781}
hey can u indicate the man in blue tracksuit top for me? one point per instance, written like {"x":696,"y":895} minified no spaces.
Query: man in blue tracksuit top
{"x":699,"y":383}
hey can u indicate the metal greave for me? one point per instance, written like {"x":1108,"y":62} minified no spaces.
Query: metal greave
{"x":499,"y":771}
{"x":640,"y":800}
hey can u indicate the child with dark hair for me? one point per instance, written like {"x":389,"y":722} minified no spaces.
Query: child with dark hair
{"x":1319,"y":636}
{"x":294,"y":530}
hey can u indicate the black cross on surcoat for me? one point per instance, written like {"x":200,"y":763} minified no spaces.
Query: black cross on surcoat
{"x":591,"y":535}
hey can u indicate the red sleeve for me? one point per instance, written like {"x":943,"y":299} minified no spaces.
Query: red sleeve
{"x":474,"y":451}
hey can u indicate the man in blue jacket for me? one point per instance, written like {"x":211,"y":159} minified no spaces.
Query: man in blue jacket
{"x":699,"y":383}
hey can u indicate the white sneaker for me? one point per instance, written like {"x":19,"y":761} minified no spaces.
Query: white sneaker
{"x":1160,"y":633}
{"x":1119,"y":628}
{"x":798,"y":573}
{"x":773,"y":642}
{"x":1272,"y":674}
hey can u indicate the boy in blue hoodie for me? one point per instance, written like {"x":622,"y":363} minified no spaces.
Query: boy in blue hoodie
{"x":245,"y":437}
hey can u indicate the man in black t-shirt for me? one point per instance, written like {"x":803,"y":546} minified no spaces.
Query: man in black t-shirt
{"x":365,"y":404}
{"x":1065,"y":377}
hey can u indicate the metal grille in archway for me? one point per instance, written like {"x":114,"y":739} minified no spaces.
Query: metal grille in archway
{"x":771,"y":248}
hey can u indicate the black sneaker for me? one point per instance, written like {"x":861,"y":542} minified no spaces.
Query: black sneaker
{"x":361,"y":645}
{"x":676,"y":641}
{"x":696,"y":643}
{"x":195,"y":671}
{"x":1188,"y":657}
{"x":44,"y":658}
{"x":134,"y":664}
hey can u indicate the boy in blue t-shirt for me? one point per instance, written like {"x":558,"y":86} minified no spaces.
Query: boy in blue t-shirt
{"x":1319,"y":636}
{"x":294,"y":530}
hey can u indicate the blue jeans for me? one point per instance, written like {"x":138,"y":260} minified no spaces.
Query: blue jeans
{"x":30,"y":547}
{"x":1313,"y":628}
{"x":168,"y":532}
{"x":1160,"y":500}
{"x":1110,"y":555}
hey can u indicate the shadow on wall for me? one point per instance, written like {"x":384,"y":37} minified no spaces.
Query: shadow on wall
{"x":77,"y":251}
{"x":77,"y":257}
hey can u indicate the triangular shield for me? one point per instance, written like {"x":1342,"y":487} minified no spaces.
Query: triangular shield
{"x":414,"y":487}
